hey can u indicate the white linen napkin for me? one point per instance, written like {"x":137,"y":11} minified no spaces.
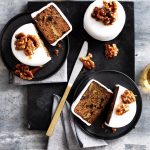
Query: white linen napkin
{"x":67,"y":134}
{"x":60,"y":76}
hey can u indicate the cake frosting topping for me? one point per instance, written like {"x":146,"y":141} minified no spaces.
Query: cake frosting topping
{"x":27,"y":43}
{"x":104,"y":20}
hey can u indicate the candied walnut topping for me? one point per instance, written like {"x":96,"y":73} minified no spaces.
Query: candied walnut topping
{"x":122,"y":108}
{"x":87,"y":62}
{"x":111,"y":50}
{"x":27,"y":43}
{"x":57,"y":48}
{"x":128,"y":97}
{"x":107,"y":14}
{"x":24,"y":71}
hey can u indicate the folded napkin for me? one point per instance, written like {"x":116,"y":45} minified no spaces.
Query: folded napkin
{"x":68,"y":135}
{"x":60,"y":76}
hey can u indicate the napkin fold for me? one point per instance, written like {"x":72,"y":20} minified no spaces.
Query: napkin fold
{"x":68,"y":135}
{"x":60,"y":76}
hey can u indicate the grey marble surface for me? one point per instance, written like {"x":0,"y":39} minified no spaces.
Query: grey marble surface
{"x":13,"y":132}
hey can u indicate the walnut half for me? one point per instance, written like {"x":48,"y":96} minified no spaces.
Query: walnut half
{"x":111,"y":50}
{"x":87,"y":62}
{"x":122,"y":108}
{"x":128,"y":97}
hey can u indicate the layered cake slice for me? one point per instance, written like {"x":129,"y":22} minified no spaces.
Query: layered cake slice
{"x":123,"y":108}
{"x":91,"y":102}
{"x":52,"y":23}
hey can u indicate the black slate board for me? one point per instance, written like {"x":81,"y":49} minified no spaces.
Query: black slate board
{"x":40,"y":96}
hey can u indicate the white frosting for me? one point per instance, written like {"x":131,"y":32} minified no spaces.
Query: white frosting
{"x":40,"y":56}
{"x":63,"y":16}
{"x":100,"y":31}
{"x":118,"y":121}
{"x":81,"y":94}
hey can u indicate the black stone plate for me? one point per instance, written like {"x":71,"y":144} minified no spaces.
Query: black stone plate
{"x":10,"y":61}
{"x":110,"y":79}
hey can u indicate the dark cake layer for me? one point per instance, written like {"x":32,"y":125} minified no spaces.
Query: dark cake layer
{"x":92,"y":102}
{"x":51,"y":24}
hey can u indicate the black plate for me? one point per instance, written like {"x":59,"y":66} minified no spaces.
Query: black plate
{"x":110,"y":79}
{"x":10,"y":61}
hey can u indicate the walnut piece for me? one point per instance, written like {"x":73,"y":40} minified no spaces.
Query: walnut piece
{"x":128,"y":97}
{"x":107,"y":14}
{"x":24,"y":71}
{"x":111,"y":50}
{"x":87,"y":62}
{"x":27,"y":43}
{"x":122,"y":108}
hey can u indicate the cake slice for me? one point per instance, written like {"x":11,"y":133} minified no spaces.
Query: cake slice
{"x":123,"y":108}
{"x":52,"y":23}
{"x":28,"y":47}
{"x":91,"y":102}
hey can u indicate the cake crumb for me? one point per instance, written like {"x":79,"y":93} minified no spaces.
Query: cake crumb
{"x":103,"y":126}
{"x":114,"y":130}
{"x":56,"y":52}
{"x":59,"y":45}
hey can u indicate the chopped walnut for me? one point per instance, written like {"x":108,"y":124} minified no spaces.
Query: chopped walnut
{"x":27,"y":43}
{"x":107,"y":14}
{"x":24,"y":71}
{"x":111,"y":50}
{"x":87,"y":62}
{"x":122,"y":108}
{"x":20,"y":43}
{"x":128,"y":97}
{"x":114,"y":130}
